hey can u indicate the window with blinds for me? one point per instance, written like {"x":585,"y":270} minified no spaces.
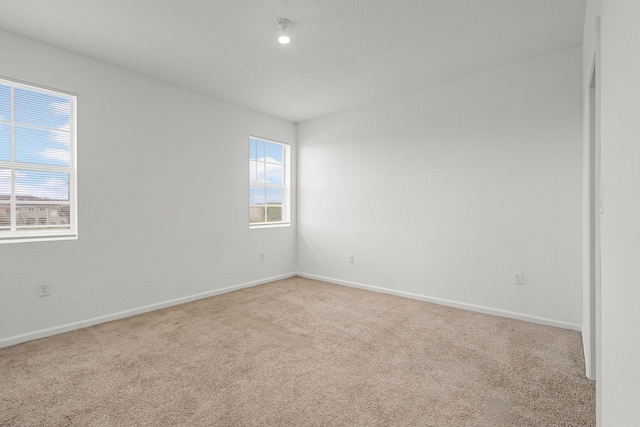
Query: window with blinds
{"x":268,"y":183}
{"x":37,"y":163}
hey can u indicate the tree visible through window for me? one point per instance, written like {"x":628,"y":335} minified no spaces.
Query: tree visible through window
{"x":37,"y":163}
{"x":268,"y":182}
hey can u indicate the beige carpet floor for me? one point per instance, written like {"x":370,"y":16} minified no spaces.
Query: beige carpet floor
{"x":299,"y":352}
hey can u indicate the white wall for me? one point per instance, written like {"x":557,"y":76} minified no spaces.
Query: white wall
{"x":620,"y":136}
{"x":162,"y":198}
{"x":447,"y":191}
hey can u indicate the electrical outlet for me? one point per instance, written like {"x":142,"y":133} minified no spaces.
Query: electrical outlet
{"x":44,"y":289}
{"x":518,"y":279}
{"x":261,"y":256}
{"x":351,"y":258}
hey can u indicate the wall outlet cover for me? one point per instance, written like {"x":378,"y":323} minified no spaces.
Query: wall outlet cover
{"x":518,"y":279}
{"x":44,"y":290}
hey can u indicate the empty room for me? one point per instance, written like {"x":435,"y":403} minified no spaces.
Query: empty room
{"x":319,"y":213}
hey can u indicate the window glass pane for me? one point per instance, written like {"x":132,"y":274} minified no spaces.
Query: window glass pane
{"x":5,"y":102}
{"x":42,"y":109}
{"x":257,"y":196}
{"x":252,"y":148}
{"x":256,"y":171}
{"x":32,"y":185}
{"x":259,"y":149}
{"x":5,"y":195}
{"x":274,"y":174}
{"x":253,"y":177}
{"x":5,"y":216}
{"x":256,"y":214}
{"x":274,"y":213}
{"x":260,"y":172}
{"x":5,"y":142}
{"x":39,"y":215}
{"x":5,"y":184}
{"x":274,"y":196}
{"x":274,"y":153}
{"x":43,"y":147}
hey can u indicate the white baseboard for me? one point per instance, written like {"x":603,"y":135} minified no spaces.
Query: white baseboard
{"x":450,"y":303}
{"x":42,"y":333}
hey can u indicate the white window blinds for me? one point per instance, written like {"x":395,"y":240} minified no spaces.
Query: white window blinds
{"x":37,"y":163}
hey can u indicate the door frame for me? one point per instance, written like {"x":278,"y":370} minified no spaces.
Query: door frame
{"x":593,"y":209}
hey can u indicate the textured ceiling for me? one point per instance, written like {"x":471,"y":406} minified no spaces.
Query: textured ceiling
{"x":343,"y":53}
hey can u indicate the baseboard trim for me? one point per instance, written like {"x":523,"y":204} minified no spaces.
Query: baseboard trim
{"x":449,"y":303}
{"x":43,"y":333}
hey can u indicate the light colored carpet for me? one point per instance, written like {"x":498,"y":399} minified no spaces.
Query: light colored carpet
{"x":299,"y":352}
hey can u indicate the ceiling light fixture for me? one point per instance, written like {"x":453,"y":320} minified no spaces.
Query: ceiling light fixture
{"x":283,"y":24}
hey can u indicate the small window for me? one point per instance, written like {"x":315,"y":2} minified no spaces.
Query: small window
{"x":269,"y":192}
{"x":37,"y":163}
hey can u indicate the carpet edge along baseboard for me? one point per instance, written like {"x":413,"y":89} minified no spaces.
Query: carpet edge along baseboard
{"x":67,"y":327}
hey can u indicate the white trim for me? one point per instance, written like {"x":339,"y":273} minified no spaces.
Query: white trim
{"x":592,"y":198}
{"x":26,"y":84}
{"x":450,"y":303}
{"x":40,"y":238}
{"x":42,"y":333}
{"x":269,"y":225}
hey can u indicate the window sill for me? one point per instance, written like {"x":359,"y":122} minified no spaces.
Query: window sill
{"x":37,"y":238}
{"x":270,"y":225}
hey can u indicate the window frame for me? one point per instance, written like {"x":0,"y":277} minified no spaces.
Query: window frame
{"x":286,"y":186}
{"x":17,"y":233}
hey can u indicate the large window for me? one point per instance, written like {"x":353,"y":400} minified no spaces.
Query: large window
{"x":268,"y":183}
{"x":37,"y":163}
